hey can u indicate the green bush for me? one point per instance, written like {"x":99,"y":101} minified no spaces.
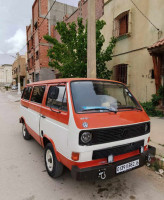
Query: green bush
{"x":155,"y":99}
{"x":150,"y":107}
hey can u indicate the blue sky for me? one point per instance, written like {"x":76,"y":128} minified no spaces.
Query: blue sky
{"x":15,"y":15}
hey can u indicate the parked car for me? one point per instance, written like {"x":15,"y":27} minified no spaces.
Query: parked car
{"x":96,"y":128}
{"x":14,"y":87}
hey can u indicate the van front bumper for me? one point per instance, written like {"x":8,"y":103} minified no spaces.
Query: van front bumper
{"x":109,"y":170}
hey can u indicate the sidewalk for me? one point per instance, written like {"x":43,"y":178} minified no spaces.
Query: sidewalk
{"x":12,"y":95}
{"x":157,"y":135}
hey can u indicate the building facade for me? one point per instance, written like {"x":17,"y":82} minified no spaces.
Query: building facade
{"x":5,"y":75}
{"x":80,"y":12}
{"x":19,"y":67}
{"x":137,"y":25}
{"x":37,"y":47}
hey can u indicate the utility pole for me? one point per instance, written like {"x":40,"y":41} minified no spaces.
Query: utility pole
{"x":18,"y":59}
{"x":91,"y":43}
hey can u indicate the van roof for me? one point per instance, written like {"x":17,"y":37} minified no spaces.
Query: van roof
{"x":66,"y":80}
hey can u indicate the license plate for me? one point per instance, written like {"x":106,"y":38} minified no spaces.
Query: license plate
{"x":127,"y":166}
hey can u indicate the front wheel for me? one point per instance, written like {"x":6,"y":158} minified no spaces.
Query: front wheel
{"x":25,"y":133}
{"x":53,"y":166}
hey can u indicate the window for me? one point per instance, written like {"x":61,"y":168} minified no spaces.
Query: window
{"x":37,"y":55}
{"x":32,"y":60}
{"x":152,"y":74}
{"x":36,"y":25}
{"x":120,"y":73}
{"x":27,"y":93}
{"x":36,"y":77}
{"x":121,"y":24}
{"x":101,"y":96}
{"x":61,"y":101}
{"x":38,"y":93}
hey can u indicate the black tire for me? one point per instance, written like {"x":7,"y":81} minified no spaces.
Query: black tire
{"x":25,"y":133}
{"x":53,"y":166}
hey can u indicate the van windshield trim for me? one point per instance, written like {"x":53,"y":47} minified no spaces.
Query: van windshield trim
{"x":137,"y":107}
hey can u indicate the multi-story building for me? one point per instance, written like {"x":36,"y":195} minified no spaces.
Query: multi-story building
{"x":5,"y":74}
{"x":80,"y":12}
{"x":36,"y":45}
{"x":137,"y":25}
{"x":19,"y":67}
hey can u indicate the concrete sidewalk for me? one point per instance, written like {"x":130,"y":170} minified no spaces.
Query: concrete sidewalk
{"x":157,"y":135}
{"x":12,"y":95}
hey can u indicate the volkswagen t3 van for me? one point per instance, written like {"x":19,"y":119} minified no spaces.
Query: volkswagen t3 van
{"x":96,"y":128}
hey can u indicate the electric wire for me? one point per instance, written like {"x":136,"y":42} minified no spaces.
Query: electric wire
{"x":39,"y":25}
{"x":145,"y":15}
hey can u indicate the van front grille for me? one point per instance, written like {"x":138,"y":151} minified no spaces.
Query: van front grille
{"x":119,"y":150}
{"x":100,"y":136}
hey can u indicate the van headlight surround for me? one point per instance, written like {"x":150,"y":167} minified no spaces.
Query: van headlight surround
{"x":85,"y":137}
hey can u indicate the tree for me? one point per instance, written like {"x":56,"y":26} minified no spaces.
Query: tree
{"x":69,"y":55}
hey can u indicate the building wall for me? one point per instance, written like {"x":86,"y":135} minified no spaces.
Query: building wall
{"x":5,"y":74}
{"x":82,"y":11}
{"x":15,"y":69}
{"x":37,"y":48}
{"x":132,"y":50}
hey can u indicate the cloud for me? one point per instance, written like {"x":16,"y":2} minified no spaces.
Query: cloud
{"x":17,"y":41}
{"x":1,"y":52}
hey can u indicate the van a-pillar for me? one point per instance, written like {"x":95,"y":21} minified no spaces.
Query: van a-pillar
{"x":91,"y":43}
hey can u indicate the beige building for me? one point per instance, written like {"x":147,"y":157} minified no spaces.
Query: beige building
{"x":5,"y":74}
{"x":19,"y":67}
{"x":137,"y":25}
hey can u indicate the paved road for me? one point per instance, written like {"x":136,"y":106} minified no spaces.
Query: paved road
{"x":23,"y":175}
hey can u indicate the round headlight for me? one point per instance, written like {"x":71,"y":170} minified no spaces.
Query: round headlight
{"x":86,"y":137}
{"x":146,"y":127}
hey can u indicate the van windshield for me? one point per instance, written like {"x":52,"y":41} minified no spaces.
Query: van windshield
{"x":101,"y":96}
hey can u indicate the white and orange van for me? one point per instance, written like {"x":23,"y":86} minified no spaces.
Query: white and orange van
{"x":96,"y":128}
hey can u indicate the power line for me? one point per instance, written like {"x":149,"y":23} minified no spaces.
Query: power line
{"x":145,"y":15}
{"x":40,"y":24}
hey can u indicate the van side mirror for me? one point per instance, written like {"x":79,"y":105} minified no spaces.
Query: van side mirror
{"x":54,"y":92}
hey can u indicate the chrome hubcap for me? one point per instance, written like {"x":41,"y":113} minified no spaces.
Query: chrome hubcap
{"x":49,"y":160}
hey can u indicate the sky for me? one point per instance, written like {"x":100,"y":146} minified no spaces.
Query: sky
{"x":15,"y":15}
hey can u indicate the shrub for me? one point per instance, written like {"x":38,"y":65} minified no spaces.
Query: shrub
{"x":150,"y":107}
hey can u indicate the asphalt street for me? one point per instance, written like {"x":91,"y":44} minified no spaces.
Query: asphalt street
{"x":23,"y":175}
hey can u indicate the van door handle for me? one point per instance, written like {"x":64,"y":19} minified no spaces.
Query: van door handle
{"x":43,"y":116}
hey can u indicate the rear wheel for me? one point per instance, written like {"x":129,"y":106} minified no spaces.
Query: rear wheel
{"x":53,"y":166}
{"x":25,"y":133}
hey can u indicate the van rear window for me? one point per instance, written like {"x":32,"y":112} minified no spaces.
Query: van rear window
{"x":38,"y":93}
{"x":27,"y":93}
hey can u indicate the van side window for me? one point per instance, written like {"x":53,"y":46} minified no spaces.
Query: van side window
{"x":61,"y":101}
{"x":38,"y":93}
{"x":27,"y":93}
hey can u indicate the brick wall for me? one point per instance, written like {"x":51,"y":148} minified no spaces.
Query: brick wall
{"x":82,"y":11}
{"x":43,"y":56}
{"x":43,"y":7}
{"x":35,"y":11}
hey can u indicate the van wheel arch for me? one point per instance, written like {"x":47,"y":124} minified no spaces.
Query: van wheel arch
{"x":21,"y":120}
{"x":53,"y":166}
{"x":46,"y":141}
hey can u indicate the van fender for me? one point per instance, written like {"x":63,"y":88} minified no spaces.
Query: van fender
{"x":53,"y":144}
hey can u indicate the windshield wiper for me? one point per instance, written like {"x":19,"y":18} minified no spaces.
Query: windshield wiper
{"x":130,"y":107}
{"x":90,"y":109}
